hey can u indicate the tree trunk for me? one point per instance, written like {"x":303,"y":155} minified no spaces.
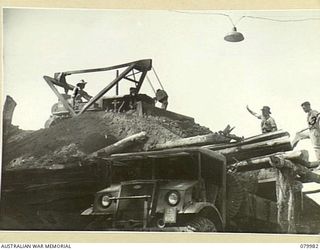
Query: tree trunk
{"x":194,"y":141}
{"x":278,"y":161}
{"x":285,"y":200}
{"x":8,"y":110}
{"x":119,"y":146}
{"x":264,"y":161}
{"x":242,"y":152}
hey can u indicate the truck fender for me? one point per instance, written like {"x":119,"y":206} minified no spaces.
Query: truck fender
{"x":207,"y":210}
{"x":88,"y":211}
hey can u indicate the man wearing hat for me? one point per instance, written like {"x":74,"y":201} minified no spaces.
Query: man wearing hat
{"x":77,"y":92}
{"x":313,"y":120}
{"x":268,"y":124}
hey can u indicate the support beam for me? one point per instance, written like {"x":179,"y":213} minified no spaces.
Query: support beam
{"x":107,"y":88}
{"x":288,"y":191}
{"x":138,"y":85}
{"x":142,"y":65}
{"x":285,"y":200}
{"x":66,"y":105}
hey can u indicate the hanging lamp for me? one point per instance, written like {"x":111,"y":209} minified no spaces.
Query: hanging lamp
{"x":234,"y":36}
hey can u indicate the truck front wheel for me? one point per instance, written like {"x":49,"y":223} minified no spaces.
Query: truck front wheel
{"x":201,"y":224}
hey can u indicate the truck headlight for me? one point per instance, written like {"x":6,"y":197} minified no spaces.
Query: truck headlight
{"x":173,"y":198}
{"x":105,"y":201}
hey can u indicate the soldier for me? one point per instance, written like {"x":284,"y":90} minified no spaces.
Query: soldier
{"x":162,"y":97}
{"x":268,"y":124}
{"x":133,"y":98}
{"x":76,"y":96}
{"x":313,"y":118}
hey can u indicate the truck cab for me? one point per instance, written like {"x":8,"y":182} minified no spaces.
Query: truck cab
{"x":170,"y":190}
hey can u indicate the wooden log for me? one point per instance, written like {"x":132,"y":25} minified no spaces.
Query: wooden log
{"x":266,"y":137}
{"x":258,"y":145}
{"x":279,"y":162}
{"x":251,"y":140}
{"x":193,"y":141}
{"x":120,"y":145}
{"x":287,"y":172}
{"x":8,"y":110}
{"x":242,"y":152}
{"x":314,"y":164}
{"x":285,"y":193}
{"x":263,"y":161}
{"x":285,"y":200}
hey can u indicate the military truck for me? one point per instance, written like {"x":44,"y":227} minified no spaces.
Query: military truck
{"x":180,"y":189}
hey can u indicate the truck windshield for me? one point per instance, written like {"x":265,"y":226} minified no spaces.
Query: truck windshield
{"x":184,"y":168}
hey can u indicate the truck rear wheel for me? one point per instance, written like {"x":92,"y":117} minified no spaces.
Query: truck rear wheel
{"x":201,"y":224}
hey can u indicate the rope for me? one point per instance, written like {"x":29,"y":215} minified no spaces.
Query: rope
{"x":151,"y":85}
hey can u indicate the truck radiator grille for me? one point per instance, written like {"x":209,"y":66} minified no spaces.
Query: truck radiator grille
{"x":134,"y":209}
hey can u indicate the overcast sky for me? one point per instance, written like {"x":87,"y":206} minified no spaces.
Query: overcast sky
{"x":206,"y":77}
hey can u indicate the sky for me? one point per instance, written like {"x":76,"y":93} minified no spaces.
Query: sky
{"x":206,"y":77}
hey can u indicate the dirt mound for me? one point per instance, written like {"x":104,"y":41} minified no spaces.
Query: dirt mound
{"x":74,"y":138}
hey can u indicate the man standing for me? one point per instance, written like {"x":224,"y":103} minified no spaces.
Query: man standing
{"x":313,"y":118}
{"x":268,"y":124}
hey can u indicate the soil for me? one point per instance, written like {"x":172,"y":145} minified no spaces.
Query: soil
{"x":75,"y":137}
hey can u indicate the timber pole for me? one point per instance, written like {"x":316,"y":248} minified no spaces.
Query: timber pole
{"x":119,"y":146}
{"x":287,"y":217}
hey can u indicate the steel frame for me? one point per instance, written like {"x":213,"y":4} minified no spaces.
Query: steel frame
{"x":142,"y":66}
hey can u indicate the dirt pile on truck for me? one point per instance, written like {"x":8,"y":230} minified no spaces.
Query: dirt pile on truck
{"x":73,"y":139}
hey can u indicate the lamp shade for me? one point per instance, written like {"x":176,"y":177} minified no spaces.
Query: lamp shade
{"x":234,"y":36}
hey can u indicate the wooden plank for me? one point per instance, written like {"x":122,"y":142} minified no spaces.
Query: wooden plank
{"x":259,"y":208}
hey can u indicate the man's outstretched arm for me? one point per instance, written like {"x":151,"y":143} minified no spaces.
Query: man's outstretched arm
{"x":253,"y":113}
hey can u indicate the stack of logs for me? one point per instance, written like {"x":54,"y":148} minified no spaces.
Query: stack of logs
{"x":271,"y":150}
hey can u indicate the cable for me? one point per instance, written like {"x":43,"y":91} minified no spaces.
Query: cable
{"x":252,"y":17}
{"x":151,"y":85}
{"x":202,"y":13}
{"x":281,"y":20}
{"x":154,"y":71}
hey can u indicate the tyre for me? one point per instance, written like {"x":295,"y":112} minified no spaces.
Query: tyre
{"x":201,"y":224}
{"x":98,"y":224}
{"x":235,"y":195}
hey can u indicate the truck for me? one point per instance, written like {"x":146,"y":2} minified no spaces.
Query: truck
{"x":169,"y":190}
